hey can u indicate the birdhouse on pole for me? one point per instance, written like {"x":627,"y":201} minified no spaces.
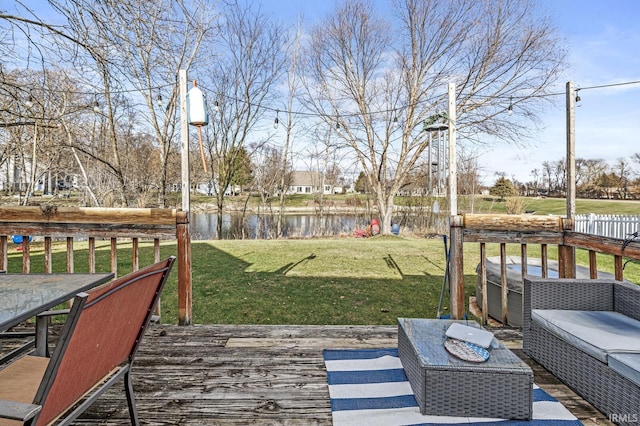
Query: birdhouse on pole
{"x":197,"y":115}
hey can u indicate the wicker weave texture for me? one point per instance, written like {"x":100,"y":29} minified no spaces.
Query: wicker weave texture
{"x":607,"y":390}
{"x":497,"y":395}
{"x":578,"y":294}
{"x":627,"y":299}
{"x":470,"y":390}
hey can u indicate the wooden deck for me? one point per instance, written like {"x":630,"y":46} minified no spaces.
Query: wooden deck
{"x":271,"y":375}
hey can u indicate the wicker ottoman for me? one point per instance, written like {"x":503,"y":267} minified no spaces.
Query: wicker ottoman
{"x":447,"y":386}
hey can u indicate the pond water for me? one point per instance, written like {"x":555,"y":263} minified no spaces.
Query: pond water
{"x":263,"y":226}
{"x":204,"y":225}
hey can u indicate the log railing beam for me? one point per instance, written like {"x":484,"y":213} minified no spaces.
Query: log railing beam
{"x":91,"y":223}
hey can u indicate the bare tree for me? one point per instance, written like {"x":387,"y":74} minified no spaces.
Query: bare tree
{"x":156,"y":40}
{"x":243,"y":80}
{"x":534,"y":184}
{"x":622,"y":169}
{"x":293,"y":85}
{"x":547,"y":169}
{"x":560,"y":175}
{"x":469,"y":175}
{"x":267,"y":172}
{"x":377,"y":81}
{"x":588,"y":171}
{"x":124,"y":52}
{"x":323,"y":167}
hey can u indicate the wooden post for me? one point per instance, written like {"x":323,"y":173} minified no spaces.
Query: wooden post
{"x":453,"y":172}
{"x":70,"y":258}
{"x":504,"y":288}
{"x":617,"y":262}
{"x":184,"y":139}
{"x":456,"y":264}
{"x":92,"y":255}
{"x":48,"y":256}
{"x":26,"y":255}
{"x":456,"y":223}
{"x":567,"y":254}
{"x":3,"y":253}
{"x":571,"y":151}
{"x":156,"y":258}
{"x":483,"y":277}
{"x":114,"y":256}
{"x":183,"y":235}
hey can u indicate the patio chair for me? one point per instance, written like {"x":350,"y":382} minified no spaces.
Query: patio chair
{"x":96,"y":347}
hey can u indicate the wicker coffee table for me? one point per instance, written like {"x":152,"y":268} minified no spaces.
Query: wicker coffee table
{"x":445,"y":385}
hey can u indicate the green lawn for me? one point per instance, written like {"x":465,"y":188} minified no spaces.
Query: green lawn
{"x":555,"y":206}
{"x":306,"y":281}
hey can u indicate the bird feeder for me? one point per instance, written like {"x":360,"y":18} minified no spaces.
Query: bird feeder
{"x":197,"y":115}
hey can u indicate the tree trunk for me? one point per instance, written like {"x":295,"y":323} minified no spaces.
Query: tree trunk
{"x":219,"y":224}
{"x":385,"y":211}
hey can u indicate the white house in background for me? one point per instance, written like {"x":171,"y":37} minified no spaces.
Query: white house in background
{"x":208,"y":188}
{"x":310,"y":183}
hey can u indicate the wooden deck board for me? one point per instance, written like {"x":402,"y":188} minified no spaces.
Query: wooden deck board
{"x":267,"y":375}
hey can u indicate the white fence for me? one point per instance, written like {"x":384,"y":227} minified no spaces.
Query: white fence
{"x":607,"y":225}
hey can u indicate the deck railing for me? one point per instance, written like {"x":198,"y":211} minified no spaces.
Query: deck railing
{"x":73,"y":223}
{"x":525,"y":230}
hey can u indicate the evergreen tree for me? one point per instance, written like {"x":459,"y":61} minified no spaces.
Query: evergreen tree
{"x":502,"y":188}
{"x":361,"y":184}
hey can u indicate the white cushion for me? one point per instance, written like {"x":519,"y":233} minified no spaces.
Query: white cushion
{"x":597,"y":333}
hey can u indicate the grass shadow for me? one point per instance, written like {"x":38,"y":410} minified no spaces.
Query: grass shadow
{"x":241,"y":283}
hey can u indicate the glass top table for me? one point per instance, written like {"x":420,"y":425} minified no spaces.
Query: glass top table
{"x":23,"y":296}
{"x":427,"y":337}
{"x":445,"y":385}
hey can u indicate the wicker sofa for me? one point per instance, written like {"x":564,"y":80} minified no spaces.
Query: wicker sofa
{"x":587,"y":333}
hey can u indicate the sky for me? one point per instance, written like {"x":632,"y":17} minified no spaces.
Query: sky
{"x":603,"y":42}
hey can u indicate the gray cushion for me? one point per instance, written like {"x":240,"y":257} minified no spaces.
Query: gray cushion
{"x":627,"y":365}
{"x":594,"y":332}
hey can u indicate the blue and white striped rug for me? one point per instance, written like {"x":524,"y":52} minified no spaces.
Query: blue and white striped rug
{"x":369,"y":387}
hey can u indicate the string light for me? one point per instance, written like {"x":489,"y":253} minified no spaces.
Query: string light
{"x":159,"y":99}
{"x":96,"y":107}
{"x":29,"y":102}
{"x":276,"y":121}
